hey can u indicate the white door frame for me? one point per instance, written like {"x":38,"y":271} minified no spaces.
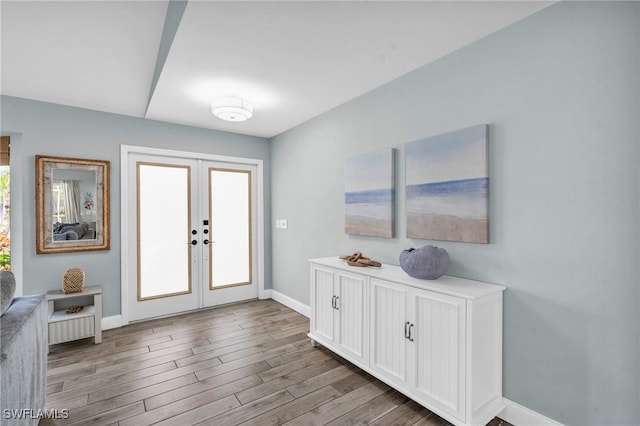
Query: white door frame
{"x":18,"y":179}
{"x":125,"y":251}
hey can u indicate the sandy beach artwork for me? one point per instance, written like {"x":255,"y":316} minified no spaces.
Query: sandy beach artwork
{"x":447,"y":186}
{"x":369,"y":194}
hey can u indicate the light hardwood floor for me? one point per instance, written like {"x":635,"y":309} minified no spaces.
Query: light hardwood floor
{"x":249,"y":363}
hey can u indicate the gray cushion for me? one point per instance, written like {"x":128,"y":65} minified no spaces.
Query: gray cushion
{"x":70,"y":235}
{"x":74,"y":232}
{"x":8,"y":285}
{"x":15,"y":317}
{"x":427,"y":263}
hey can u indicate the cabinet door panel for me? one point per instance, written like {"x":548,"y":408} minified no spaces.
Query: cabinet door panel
{"x":351,"y":332}
{"x":439,"y":345}
{"x":323,"y":312}
{"x":388,"y":317}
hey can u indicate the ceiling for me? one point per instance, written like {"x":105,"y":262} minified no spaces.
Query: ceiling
{"x":292,"y":60}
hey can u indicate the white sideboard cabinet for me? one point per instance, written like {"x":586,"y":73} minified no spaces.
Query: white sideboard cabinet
{"x":438,"y":342}
{"x":339,"y":313}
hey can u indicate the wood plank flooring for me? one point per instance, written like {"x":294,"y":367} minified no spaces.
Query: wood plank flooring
{"x":250,"y":363}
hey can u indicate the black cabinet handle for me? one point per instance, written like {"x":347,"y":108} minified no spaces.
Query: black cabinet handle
{"x":194,"y":242}
{"x":206,"y":242}
{"x":333,"y":302}
{"x":406,"y":330}
{"x":410,"y":337}
{"x":337,"y":307}
{"x":194,"y":232}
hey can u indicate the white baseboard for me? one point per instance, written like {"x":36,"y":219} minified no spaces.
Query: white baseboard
{"x":113,"y":321}
{"x":519,"y":415}
{"x":291,"y":303}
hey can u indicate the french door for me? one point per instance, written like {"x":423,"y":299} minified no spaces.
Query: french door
{"x":192,"y":228}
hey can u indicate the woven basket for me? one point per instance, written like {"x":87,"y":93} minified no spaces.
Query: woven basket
{"x":73,"y":281}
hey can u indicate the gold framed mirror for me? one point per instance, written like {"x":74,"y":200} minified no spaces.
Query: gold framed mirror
{"x":72,"y":205}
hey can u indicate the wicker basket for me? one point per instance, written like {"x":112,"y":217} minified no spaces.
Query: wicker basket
{"x":73,"y":281}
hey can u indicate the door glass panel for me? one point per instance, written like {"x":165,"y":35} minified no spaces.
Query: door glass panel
{"x":164,"y":222}
{"x":229,"y":212}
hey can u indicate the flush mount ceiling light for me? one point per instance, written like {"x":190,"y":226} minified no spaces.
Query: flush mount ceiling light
{"x":230,"y":108}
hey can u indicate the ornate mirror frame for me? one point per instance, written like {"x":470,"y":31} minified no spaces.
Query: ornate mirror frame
{"x":99,"y":201}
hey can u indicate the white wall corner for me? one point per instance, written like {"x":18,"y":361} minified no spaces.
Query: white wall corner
{"x":113,"y":321}
{"x":265,"y":294}
{"x":291,"y":303}
{"x":519,"y":415}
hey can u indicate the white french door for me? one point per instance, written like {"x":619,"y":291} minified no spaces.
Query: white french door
{"x":228,"y":268}
{"x":193,"y":231}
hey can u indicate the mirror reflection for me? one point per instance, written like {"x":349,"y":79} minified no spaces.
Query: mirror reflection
{"x":73,"y":205}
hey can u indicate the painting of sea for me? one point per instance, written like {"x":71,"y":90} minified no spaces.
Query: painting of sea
{"x":447,"y":186}
{"x":369,"y":194}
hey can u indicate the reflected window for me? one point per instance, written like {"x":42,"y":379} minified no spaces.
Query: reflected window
{"x":58,"y":203}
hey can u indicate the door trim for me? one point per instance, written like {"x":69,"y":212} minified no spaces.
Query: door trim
{"x":126,"y":252}
{"x":18,"y":183}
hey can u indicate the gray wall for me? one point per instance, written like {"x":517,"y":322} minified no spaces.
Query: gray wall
{"x":48,"y":129}
{"x":560,"y":91}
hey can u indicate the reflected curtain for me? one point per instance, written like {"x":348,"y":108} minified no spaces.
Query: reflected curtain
{"x":72,"y":200}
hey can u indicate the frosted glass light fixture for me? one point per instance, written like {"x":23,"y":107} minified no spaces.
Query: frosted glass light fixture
{"x":230,"y":108}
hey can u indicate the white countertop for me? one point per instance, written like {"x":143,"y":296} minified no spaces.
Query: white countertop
{"x":453,"y":286}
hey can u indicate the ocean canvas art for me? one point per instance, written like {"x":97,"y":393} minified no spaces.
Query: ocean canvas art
{"x":369,"y":194}
{"x":447,"y":186}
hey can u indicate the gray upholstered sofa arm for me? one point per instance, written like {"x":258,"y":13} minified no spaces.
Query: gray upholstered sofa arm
{"x":23,"y":358}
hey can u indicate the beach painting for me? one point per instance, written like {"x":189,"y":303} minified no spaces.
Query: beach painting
{"x":447,"y":186}
{"x":369,"y":194}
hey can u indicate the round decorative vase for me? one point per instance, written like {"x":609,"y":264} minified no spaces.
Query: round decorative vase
{"x":427,"y":263}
